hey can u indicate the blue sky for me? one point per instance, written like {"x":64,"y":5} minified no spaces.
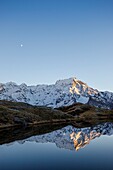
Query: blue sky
{"x":61,"y":39}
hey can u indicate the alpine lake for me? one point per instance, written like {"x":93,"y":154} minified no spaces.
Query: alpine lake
{"x":57,"y":147}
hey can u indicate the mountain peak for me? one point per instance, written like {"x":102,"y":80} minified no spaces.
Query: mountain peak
{"x":65,"y":81}
{"x":78,"y":86}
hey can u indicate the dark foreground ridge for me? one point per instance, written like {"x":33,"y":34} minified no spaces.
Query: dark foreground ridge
{"x":22,"y":114}
{"x":14,"y":114}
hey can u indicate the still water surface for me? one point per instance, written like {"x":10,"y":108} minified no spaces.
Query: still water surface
{"x":62,"y":149}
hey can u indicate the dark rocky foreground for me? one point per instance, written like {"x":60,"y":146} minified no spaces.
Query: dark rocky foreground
{"x":14,"y":114}
{"x":21,"y":114}
{"x":88,"y":115}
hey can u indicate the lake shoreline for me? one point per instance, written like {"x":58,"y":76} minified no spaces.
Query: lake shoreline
{"x":3,"y":127}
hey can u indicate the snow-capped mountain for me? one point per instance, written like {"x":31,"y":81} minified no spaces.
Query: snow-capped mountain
{"x":62,"y":93}
{"x":72,"y":138}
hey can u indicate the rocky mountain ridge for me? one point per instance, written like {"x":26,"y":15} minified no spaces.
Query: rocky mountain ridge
{"x":62,"y":93}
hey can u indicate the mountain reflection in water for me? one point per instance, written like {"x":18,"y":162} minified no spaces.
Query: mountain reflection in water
{"x":70,"y":137}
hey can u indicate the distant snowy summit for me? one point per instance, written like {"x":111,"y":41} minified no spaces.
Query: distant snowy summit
{"x":62,"y":93}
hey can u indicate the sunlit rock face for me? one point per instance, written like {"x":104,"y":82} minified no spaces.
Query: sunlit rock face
{"x":72,"y":138}
{"x":62,"y":93}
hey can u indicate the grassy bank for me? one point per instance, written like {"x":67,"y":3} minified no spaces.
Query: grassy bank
{"x":21,"y":114}
{"x":14,"y":114}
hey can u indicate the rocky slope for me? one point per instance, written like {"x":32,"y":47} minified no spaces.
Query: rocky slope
{"x":23,"y":114}
{"x":16,"y":114}
{"x":62,"y":93}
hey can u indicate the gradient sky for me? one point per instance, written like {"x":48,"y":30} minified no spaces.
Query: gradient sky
{"x":61,"y":39}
